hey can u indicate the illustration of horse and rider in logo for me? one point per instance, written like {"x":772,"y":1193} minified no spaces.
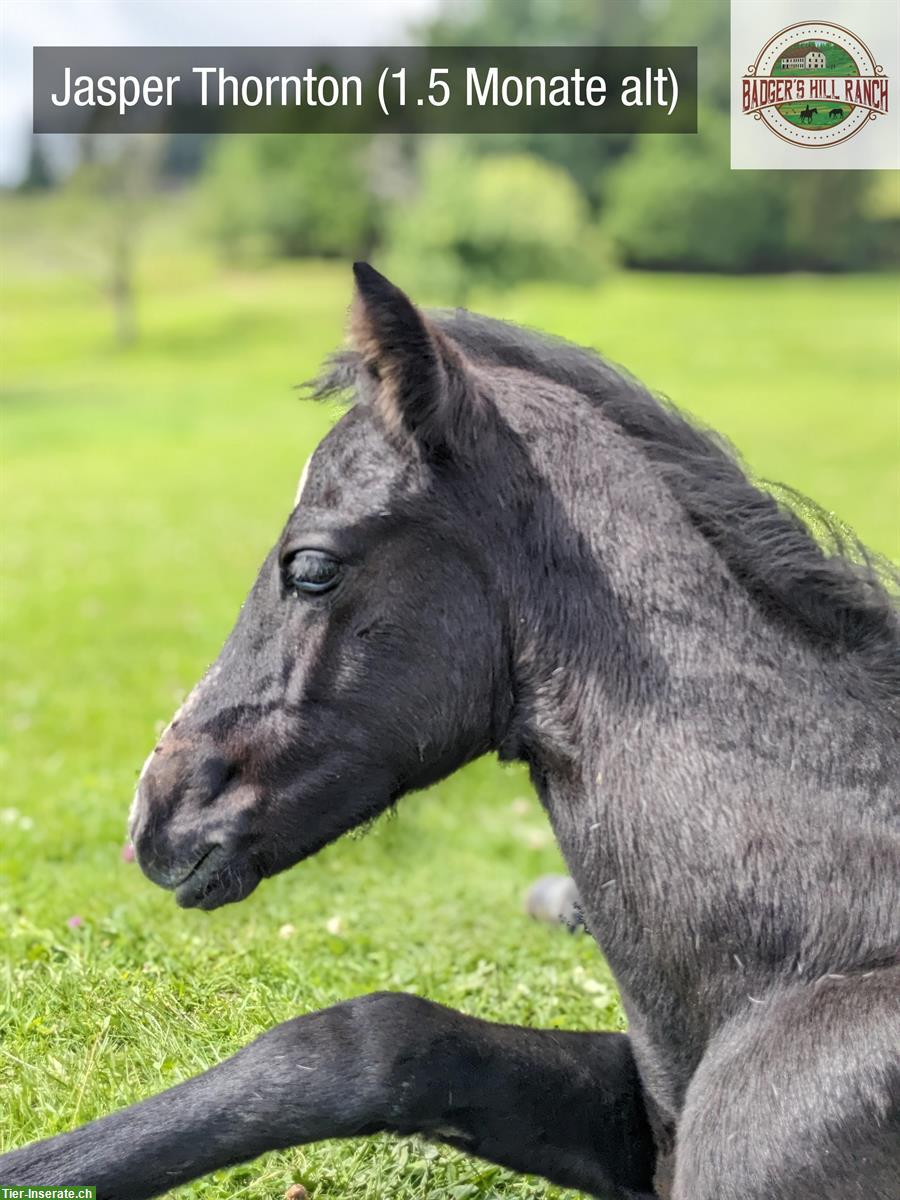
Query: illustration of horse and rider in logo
{"x":809,"y":114}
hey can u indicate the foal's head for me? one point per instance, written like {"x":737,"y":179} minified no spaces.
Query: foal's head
{"x":370,"y":656}
{"x":496,"y":548}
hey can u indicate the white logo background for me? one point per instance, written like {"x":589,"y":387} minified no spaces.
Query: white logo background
{"x":754,"y":146}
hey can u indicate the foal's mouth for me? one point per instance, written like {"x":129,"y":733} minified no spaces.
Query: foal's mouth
{"x":217,"y":878}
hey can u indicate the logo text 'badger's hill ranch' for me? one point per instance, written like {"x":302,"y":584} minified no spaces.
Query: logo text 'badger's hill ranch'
{"x":815,"y":84}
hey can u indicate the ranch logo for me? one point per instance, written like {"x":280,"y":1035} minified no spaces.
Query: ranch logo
{"x":815,"y":85}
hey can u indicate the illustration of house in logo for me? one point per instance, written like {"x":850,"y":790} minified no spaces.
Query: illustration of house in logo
{"x":805,"y":58}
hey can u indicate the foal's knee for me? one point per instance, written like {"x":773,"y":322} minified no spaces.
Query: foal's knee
{"x":372,"y":1040}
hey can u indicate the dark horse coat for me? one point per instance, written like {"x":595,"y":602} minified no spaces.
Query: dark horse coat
{"x":507,"y":545}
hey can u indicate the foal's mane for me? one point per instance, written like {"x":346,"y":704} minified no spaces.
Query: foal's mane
{"x":800,"y":563}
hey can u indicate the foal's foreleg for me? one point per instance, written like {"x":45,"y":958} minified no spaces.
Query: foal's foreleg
{"x":564,"y":1105}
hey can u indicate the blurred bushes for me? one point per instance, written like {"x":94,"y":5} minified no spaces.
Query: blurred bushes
{"x":494,"y":219}
{"x":675,"y":205}
{"x":458,"y":220}
{"x":827,"y":226}
{"x":462,"y":213}
{"x":290,"y":196}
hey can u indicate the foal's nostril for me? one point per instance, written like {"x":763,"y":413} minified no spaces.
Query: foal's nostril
{"x":214,"y":776}
{"x":174,"y":818}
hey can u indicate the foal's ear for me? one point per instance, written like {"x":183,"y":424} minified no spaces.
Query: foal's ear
{"x":423,"y":393}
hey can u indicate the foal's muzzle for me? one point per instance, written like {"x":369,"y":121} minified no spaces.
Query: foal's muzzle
{"x":190,"y":825}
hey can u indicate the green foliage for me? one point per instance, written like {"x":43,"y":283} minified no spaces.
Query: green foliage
{"x":826,"y":221}
{"x":38,"y":175}
{"x":540,"y":23}
{"x":674,"y":204}
{"x":476,"y":209}
{"x":290,"y":195}
{"x":586,"y":158}
{"x":497,"y":219}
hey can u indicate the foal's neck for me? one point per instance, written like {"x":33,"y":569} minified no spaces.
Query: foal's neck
{"x":638,"y":656}
{"x":617,"y":602}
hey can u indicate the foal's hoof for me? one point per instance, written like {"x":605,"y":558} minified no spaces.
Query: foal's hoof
{"x":554,"y":898}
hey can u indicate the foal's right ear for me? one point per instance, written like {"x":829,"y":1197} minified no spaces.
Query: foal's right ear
{"x":423,"y":393}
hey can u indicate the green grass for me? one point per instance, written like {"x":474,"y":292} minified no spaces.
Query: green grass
{"x":140,"y":490}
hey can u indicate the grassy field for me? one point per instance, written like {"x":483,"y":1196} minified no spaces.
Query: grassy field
{"x":141,"y":488}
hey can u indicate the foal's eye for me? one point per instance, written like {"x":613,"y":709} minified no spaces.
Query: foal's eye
{"x":310,"y":571}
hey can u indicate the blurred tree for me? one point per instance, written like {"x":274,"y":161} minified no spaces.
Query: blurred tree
{"x":290,"y":195}
{"x":882,"y":209}
{"x":546,"y":22}
{"x":38,"y":177}
{"x":708,"y":27}
{"x":587,"y":158}
{"x":496,"y":219}
{"x":184,"y":155}
{"x":110,"y":191}
{"x":826,"y":226}
{"x":675,"y":205}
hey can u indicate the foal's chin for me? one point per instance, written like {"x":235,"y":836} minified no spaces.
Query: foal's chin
{"x":227,"y":873}
{"x":217,"y":880}
{"x":221,"y":877}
